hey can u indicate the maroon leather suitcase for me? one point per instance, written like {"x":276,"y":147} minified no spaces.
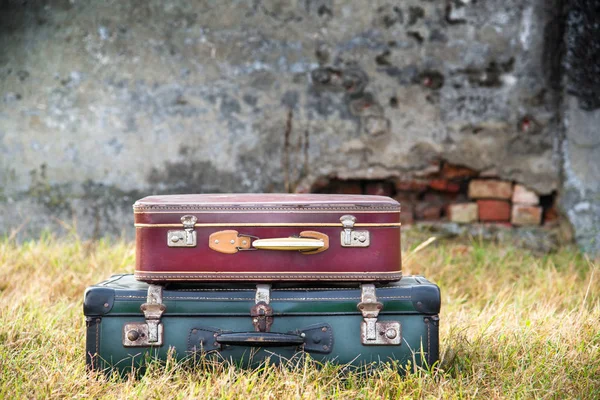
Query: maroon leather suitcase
{"x":267,"y":237}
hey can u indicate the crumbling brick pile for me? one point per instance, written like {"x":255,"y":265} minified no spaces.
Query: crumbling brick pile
{"x":457,"y":194}
{"x":498,"y":201}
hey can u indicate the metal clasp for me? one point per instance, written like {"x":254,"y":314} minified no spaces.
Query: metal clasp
{"x":185,"y":237}
{"x":350,"y":237}
{"x":373,"y":332}
{"x":262,"y":312}
{"x":149,"y":332}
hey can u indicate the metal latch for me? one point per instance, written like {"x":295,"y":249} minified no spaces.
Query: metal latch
{"x":373,"y":332}
{"x":149,"y":332}
{"x":262,"y":312}
{"x":185,"y":237}
{"x":350,"y":237}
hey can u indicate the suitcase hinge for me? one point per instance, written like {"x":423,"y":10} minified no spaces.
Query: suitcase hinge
{"x":149,"y":332}
{"x":350,"y":237}
{"x":373,"y":332}
{"x":262,"y":312}
{"x":185,"y":237}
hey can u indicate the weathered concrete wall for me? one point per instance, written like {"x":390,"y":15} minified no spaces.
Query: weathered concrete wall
{"x":104,"y":102}
{"x":580,"y":194}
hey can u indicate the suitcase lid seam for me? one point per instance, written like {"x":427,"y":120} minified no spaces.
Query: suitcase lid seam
{"x":252,"y":298}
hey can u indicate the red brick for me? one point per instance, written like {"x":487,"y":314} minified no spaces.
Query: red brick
{"x":450,"y":171}
{"x":490,"y":189}
{"x":428,"y":212}
{"x":464,"y":213}
{"x":411,"y":185}
{"x":348,"y":187}
{"x":379,"y":188}
{"x":522,"y":195}
{"x":453,"y":187}
{"x":550,"y":214}
{"x":320,"y":184}
{"x":443,"y":185}
{"x":493,"y":210}
{"x":526,"y":215}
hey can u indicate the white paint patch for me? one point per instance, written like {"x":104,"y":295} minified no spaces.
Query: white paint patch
{"x":525,"y":32}
{"x":583,"y":206}
{"x":103,"y":32}
{"x":508,"y":79}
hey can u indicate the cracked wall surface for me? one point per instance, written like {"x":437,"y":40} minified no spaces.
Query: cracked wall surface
{"x":105,"y":102}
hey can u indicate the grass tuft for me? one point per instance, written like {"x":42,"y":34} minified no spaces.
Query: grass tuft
{"x":513,"y":325}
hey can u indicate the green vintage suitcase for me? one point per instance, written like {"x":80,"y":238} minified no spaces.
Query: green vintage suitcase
{"x":128,"y":322}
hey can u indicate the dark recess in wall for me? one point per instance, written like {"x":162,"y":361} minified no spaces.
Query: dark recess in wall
{"x":582,"y":59}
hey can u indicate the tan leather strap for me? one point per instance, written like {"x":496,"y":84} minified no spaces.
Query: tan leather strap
{"x":229,"y":242}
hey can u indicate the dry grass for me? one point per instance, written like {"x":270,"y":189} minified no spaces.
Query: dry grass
{"x":514,"y":325}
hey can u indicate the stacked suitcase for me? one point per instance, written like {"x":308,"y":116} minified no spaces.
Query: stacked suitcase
{"x":245,"y":277}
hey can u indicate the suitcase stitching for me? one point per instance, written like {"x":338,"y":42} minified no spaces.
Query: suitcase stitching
{"x":308,"y":209}
{"x":273,"y":290}
{"x":95,"y":356}
{"x":254,"y":290}
{"x":428,"y":343}
{"x":252,"y":298}
{"x":193,"y":277}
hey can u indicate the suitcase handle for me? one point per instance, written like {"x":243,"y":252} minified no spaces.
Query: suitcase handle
{"x":316,"y":338}
{"x":309,"y":242}
{"x":230,"y":242}
{"x":259,"y":339}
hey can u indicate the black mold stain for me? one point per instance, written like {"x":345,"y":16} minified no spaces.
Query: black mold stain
{"x":431,"y":79}
{"x":406,"y":76}
{"x":361,"y":105}
{"x":437,"y":36}
{"x":350,"y":80}
{"x":324,"y":11}
{"x":23,"y":75}
{"x":390,"y":16}
{"x":192,"y":177}
{"x":383,"y":58}
{"x":554,"y":43}
{"x":472,"y":129}
{"x":415,"y":35}
{"x":320,"y":8}
{"x":322,"y":53}
{"x":582,"y":61}
{"x":103,"y":202}
{"x":491,"y":75}
{"x":414,"y":14}
{"x":249,"y":99}
{"x":53,"y":197}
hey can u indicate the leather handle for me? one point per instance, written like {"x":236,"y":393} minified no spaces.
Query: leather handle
{"x":292,"y":243}
{"x":259,"y":339}
{"x":230,"y":242}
